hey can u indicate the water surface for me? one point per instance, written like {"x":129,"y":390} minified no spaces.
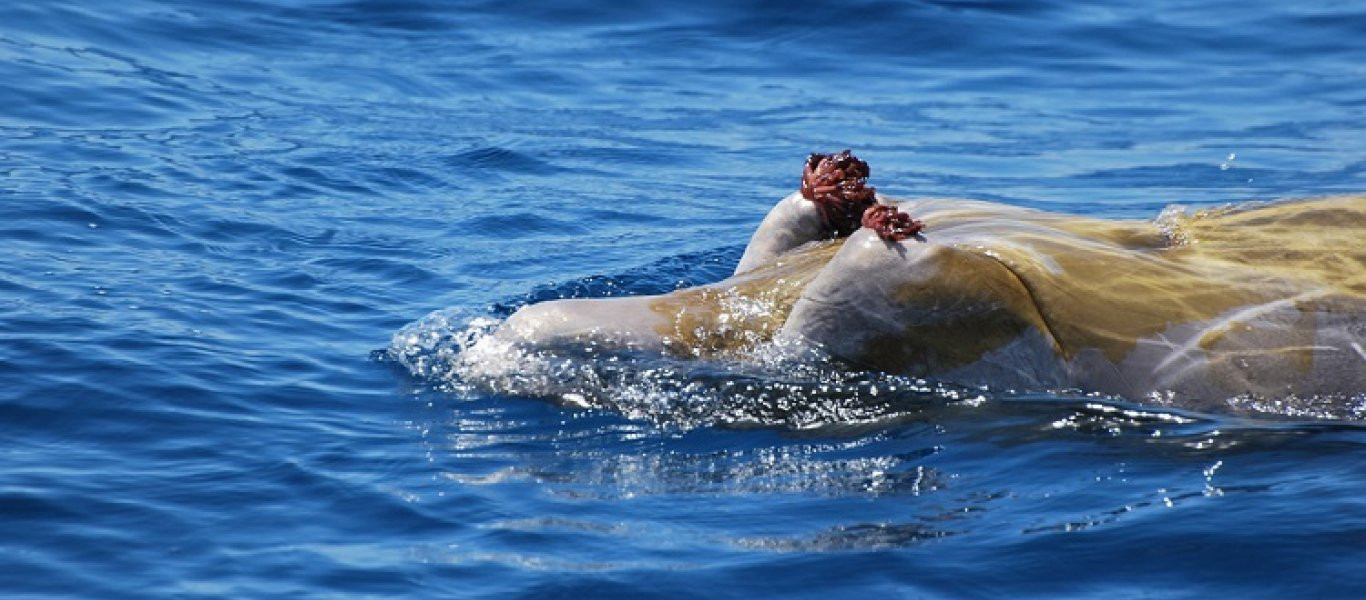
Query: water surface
{"x":215,"y":214}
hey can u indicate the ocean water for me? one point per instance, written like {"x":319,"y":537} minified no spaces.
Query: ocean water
{"x":248,"y":241}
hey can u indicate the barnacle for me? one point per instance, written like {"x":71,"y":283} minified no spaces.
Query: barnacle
{"x":837,"y":183}
{"x":891,"y":224}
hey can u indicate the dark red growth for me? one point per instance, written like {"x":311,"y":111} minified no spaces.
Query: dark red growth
{"x":837,"y":183}
{"x":891,"y":224}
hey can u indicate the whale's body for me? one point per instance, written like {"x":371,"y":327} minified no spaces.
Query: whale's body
{"x":1266,"y":299}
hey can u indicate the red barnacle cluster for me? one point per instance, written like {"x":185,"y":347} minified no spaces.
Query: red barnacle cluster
{"x":891,"y":224}
{"x":837,"y":183}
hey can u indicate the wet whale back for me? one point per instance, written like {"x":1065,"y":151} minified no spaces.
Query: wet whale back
{"x":1321,"y":240}
{"x":1261,"y":299}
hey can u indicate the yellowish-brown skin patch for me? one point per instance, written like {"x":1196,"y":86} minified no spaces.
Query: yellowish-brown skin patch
{"x":1109,"y":294}
{"x":743,"y":310}
{"x":1086,"y":283}
{"x":973,"y":306}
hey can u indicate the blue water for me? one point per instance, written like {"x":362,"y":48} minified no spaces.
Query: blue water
{"x":222,"y":220}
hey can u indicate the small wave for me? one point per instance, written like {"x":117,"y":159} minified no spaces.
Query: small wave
{"x":494,"y":158}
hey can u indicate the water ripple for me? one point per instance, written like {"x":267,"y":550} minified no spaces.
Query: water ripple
{"x":215,"y":212}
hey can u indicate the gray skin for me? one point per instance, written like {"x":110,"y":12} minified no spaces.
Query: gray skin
{"x":792,"y":222}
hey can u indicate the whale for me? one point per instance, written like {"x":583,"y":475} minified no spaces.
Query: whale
{"x":1262,"y":299}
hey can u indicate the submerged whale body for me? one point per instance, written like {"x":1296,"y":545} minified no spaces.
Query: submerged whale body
{"x":1267,"y":300}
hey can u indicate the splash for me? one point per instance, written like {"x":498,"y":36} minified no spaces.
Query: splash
{"x":783,"y":384}
{"x":777,"y":384}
